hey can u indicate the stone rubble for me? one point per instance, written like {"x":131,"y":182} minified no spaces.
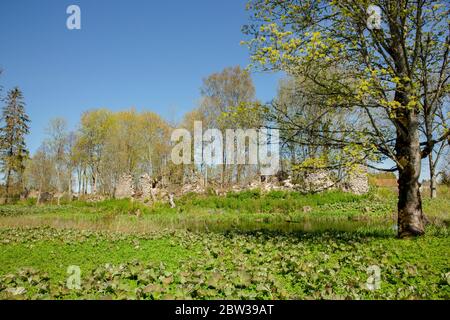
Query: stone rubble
{"x":124,"y":187}
{"x":357,"y":181}
{"x":317,"y":181}
{"x":150,"y":190}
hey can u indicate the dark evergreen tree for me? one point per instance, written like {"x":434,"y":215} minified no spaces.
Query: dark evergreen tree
{"x":13,"y":150}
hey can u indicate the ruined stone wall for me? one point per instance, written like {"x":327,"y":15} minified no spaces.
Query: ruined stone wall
{"x":357,"y":181}
{"x":318,"y":181}
{"x":148,"y":189}
{"x":124,"y":188}
{"x":146,"y":184}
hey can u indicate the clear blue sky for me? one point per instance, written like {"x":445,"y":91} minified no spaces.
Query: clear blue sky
{"x":146,"y":54}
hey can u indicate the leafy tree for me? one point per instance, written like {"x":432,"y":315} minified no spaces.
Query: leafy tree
{"x":372,"y":70}
{"x":94,"y":130}
{"x":58,"y":148}
{"x":40,"y":171}
{"x":71,"y":160}
{"x":111,"y":144}
{"x":13,"y":150}
{"x":225,"y":89}
{"x":189,"y":172}
{"x":154,"y":144}
{"x":307,"y":132}
{"x":222,"y":92}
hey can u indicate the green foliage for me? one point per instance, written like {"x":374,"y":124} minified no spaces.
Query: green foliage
{"x":30,"y":202}
{"x":166,"y":253}
{"x":243,"y":195}
{"x":378,"y":79}
{"x":232,"y":265}
{"x":271,"y":202}
{"x":445,"y":178}
{"x":383,"y":175}
{"x":117,"y":206}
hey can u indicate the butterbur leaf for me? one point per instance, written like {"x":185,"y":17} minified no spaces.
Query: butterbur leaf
{"x":16,"y":291}
{"x":167,"y":280}
{"x":152,"y":288}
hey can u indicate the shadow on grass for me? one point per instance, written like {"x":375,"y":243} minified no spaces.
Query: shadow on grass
{"x":347,"y":231}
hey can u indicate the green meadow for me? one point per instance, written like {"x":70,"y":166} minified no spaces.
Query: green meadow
{"x":247,"y":245}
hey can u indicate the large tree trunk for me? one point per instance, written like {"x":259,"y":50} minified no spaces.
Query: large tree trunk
{"x":410,"y":215}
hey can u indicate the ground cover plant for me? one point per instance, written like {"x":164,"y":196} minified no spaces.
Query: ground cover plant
{"x":213,"y":248}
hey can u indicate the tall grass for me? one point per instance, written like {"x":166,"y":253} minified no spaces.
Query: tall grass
{"x":271,"y":202}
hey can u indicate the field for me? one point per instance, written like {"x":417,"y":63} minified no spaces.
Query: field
{"x":243,"y":246}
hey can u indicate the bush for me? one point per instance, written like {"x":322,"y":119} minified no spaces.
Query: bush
{"x":247,"y":194}
{"x":119,"y":206}
{"x":30,"y":201}
{"x":445,"y":178}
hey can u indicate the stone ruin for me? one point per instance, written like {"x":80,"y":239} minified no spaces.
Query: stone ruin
{"x":147,"y":189}
{"x":310,"y":182}
{"x":357,"y":181}
{"x":150,"y":190}
{"x":46,"y":197}
{"x":148,"y":186}
{"x":318,"y":181}
{"x":278,"y":182}
{"x":124,"y":187}
{"x":194,"y":184}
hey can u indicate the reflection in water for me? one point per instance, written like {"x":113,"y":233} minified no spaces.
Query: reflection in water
{"x":302,"y":225}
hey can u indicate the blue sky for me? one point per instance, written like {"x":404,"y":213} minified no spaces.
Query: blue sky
{"x":145,"y":54}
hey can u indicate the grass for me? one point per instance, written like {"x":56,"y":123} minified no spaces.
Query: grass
{"x":272,"y":202}
{"x":264,"y":246}
{"x":88,"y":254}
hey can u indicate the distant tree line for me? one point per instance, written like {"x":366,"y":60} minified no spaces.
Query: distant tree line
{"x":107,"y":145}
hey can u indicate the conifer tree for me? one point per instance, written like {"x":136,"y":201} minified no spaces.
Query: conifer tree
{"x":13,"y":150}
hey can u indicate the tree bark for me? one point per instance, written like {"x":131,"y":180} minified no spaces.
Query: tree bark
{"x":433,"y":191}
{"x":94,"y":183}
{"x":410,"y":214}
{"x":433,"y":187}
